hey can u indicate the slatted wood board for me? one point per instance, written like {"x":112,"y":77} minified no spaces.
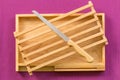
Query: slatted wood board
{"x":40,"y":49}
{"x":25,"y":21}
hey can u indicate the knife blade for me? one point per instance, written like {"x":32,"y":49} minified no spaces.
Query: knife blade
{"x":58,"y":32}
{"x":64,"y":37}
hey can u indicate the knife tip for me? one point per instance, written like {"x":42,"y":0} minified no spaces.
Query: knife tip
{"x":33,"y":11}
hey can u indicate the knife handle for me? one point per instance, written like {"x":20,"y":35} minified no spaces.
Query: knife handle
{"x":80,"y":51}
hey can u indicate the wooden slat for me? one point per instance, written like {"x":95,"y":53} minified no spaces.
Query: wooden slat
{"x":78,"y":66}
{"x":52,"y":61}
{"x":103,"y":48}
{"x":90,"y":37}
{"x":90,"y":69}
{"x":94,"y":44}
{"x":85,"y":31}
{"x":43,"y":48}
{"x":68,"y":22}
{"x":36,"y":43}
{"x":55,"y":19}
{"x":16,"y":42}
{"x":69,"y":29}
{"x":45,"y":55}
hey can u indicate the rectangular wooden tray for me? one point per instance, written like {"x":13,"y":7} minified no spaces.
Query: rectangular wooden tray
{"x":93,"y":45}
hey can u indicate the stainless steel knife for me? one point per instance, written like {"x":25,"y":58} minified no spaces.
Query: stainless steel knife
{"x":64,"y":37}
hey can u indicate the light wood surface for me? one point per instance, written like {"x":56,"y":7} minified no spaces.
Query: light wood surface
{"x":93,"y":45}
{"x":45,"y":51}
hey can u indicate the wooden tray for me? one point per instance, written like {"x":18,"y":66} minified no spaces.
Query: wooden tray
{"x":40,"y":49}
{"x":95,"y":45}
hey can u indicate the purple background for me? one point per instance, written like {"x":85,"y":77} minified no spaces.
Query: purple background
{"x":8,"y":9}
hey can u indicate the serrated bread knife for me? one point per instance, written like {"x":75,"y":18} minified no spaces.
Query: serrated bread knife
{"x":64,"y":37}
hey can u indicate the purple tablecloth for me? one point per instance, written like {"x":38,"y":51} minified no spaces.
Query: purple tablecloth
{"x":8,"y":9}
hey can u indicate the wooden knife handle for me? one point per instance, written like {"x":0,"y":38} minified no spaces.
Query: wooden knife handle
{"x":80,"y":51}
